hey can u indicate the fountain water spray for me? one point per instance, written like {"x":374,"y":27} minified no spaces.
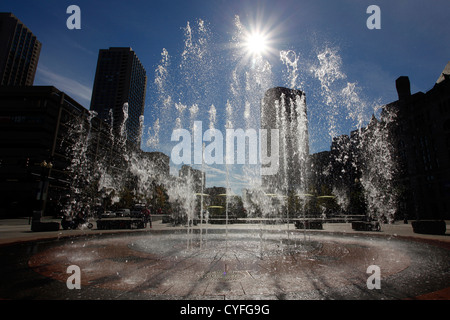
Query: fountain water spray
{"x":189,"y":89}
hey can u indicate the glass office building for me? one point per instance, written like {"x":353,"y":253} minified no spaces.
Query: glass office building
{"x":19,"y":52}
{"x":120,"y":78}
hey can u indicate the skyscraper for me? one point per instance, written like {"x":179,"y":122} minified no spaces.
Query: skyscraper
{"x":120,"y":78}
{"x":285,"y":109}
{"x":19,"y":52}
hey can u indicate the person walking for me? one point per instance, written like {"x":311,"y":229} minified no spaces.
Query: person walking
{"x":147,"y":216}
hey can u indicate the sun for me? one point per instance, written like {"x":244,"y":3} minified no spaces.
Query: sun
{"x":256,"y":43}
{"x":256,"y":39}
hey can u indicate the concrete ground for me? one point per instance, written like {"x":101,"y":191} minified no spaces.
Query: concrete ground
{"x":18,"y":230}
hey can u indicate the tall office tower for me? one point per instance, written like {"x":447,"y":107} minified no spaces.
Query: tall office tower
{"x":120,"y":78}
{"x":19,"y":52}
{"x":285,"y":110}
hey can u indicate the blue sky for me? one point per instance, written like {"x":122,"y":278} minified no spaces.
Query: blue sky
{"x":413,"y":41}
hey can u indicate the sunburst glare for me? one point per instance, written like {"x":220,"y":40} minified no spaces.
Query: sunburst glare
{"x":256,"y":43}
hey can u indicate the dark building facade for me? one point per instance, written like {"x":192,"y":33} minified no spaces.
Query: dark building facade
{"x":337,"y":172}
{"x":35,"y":129}
{"x":422,"y":137}
{"x":42,"y":125}
{"x":19,"y":52}
{"x":197,"y":177}
{"x":414,"y":132}
{"x":120,"y":78}
{"x":160,"y":161}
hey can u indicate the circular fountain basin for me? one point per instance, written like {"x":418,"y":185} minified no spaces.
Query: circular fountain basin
{"x":232,"y":264}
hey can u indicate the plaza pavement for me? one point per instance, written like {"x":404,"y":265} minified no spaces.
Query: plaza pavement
{"x":19,"y":230}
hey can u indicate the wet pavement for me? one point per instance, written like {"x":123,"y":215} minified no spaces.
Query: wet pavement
{"x":237,"y":262}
